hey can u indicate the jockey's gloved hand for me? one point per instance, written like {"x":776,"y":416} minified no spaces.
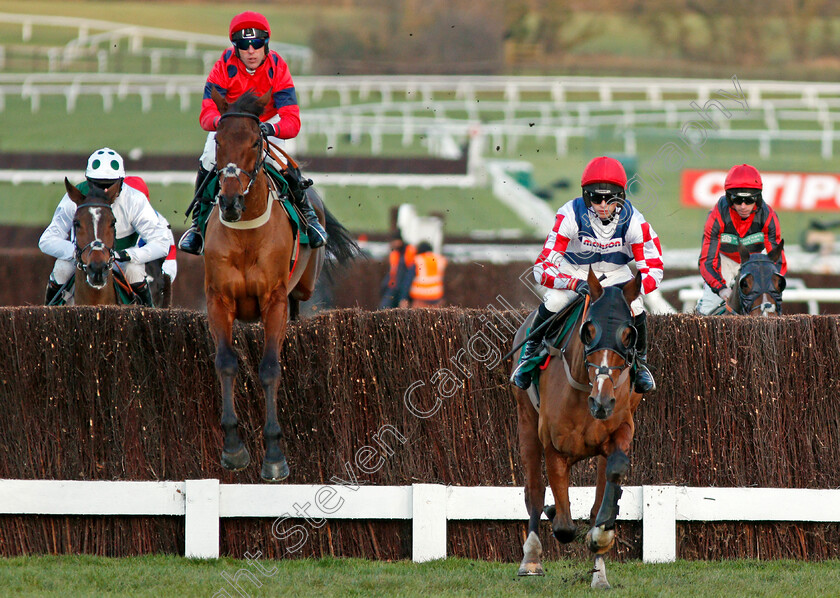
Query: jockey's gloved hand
{"x":122,"y":256}
{"x":582,"y":288}
{"x":725,"y":293}
{"x":267,"y":129}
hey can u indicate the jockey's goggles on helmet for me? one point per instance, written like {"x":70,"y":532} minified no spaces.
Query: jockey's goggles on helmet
{"x":744,"y":196}
{"x":243,"y":44}
{"x":598,"y":193}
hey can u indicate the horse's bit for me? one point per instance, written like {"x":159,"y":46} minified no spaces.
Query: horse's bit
{"x":232,"y":170}
{"x":96,"y":244}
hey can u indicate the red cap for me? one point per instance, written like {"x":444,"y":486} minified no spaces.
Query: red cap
{"x":604,"y":170}
{"x":138,"y":183}
{"x":249,"y":20}
{"x":743,"y":176}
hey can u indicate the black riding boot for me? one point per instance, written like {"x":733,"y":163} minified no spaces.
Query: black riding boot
{"x":142,"y":290}
{"x":644,"y":379}
{"x":297,"y":186}
{"x":520,"y":377}
{"x":52,"y":290}
{"x":192,"y":241}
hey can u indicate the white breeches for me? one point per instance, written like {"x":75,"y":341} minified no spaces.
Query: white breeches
{"x":64,"y":269}
{"x":208,"y":156}
{"x":710,"y":300}
{"x":556,"y":299}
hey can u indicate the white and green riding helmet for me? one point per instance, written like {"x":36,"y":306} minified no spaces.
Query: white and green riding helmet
{"x":104,"y":167}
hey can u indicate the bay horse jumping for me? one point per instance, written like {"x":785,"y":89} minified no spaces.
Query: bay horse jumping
{"x":95,"y":232}
{"x":586,"y":409}
{"x":249,"y":250}
{"x":758,"y":284}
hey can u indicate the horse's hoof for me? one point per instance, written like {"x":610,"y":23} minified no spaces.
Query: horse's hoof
{"x":275,"y":471}
{"x":236,"y":460}
{"x":550,"y":511}
{"x":528,"y":569}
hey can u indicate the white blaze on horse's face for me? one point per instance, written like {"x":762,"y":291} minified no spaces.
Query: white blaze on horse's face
{"x":95,"y":214}
{"x":601,"y":378}
{"x":767,"y":305}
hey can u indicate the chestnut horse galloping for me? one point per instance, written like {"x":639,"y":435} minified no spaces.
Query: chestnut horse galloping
{"x":249,"y":249}
{"x":586,"y":410}
{"x":95,"y":233}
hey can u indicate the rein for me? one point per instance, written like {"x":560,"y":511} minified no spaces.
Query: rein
{"x":96,"y":244}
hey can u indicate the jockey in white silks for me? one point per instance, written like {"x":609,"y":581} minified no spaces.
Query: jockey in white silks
{"x":135,"y":218}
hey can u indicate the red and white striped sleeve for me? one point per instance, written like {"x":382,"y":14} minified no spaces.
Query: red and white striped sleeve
{"x":647,"y":252}
{"x":547,"y":267}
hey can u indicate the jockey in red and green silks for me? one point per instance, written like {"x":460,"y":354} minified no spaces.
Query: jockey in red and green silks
{"x":249,"y":66}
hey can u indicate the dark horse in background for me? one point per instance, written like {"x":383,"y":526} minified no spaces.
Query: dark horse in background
{"x":95,"y":232}
{"x":255,"y":266}
{"x":758,"y":284}
{"x":586,"y":409}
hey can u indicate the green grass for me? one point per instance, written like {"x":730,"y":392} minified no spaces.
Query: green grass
{"x":155,"y":576}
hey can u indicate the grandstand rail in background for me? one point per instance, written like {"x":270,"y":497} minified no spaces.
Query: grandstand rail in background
{"x":110,"y":33}
{"x":426,"y":118}
{"x":429,"y":506}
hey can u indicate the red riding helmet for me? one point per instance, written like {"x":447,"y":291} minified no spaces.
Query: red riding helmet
{"x":743,"y":180}
{"x":604,"y":170}
{"x":605,"y":178}
{"x":249,"y":20}
{"x":743,"y":176}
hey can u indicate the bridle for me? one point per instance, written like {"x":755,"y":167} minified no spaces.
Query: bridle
{"x":232,"y":170}
{"x":761,"y":281}
{"x":608,"y":332}
{"x":96,"y":244}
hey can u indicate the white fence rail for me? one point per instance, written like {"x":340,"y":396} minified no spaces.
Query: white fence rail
{"x":428,"y":506}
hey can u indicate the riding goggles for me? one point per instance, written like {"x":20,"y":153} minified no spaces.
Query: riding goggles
{"x":255,"y":43}
{"x":744,"y":197}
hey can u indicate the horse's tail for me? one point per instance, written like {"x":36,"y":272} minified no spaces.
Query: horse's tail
{"x":341,"y":247}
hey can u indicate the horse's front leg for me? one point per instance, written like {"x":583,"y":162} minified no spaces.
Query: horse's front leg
{"x":531,"y":453}
{"x":275,"y":312}
{"x":560,"y":514}
{"x":220,"y":316}
{"x":611,"y":474}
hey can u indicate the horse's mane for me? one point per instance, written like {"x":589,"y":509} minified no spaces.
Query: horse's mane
{"x":247,"y":103}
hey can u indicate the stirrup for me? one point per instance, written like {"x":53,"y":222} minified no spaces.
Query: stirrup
{"x":187,"y":242}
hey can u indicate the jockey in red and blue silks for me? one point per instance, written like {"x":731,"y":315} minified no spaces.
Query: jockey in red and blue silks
{"x":601,"y":230}
{"x":740,"y":217}
{"x":250,"y":66}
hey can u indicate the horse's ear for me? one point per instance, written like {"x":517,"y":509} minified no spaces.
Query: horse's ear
{"x":596,"y":290}
{"x":262,"y":102}
{"x":743,"y":252}
{"x":776,"y":253}
{"x":633,"y":288}
{"x":217,"y":98}
{"x":76,"y":196}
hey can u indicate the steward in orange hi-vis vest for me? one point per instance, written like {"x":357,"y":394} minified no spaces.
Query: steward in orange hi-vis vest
{"x":427,"y":288}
